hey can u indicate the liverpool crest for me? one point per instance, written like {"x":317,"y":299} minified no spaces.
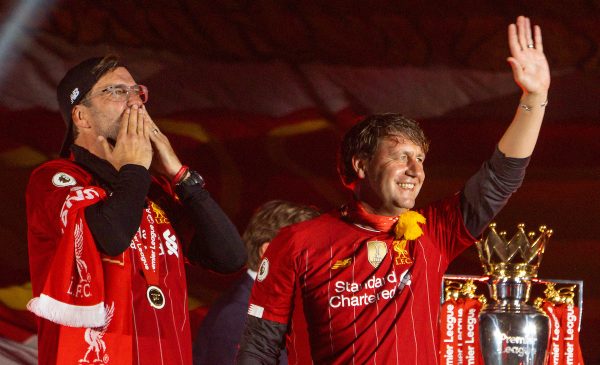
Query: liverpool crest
{"x":402,"y":257}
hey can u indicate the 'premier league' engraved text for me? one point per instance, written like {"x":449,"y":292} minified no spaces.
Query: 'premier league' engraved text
{"x":522,"y":345}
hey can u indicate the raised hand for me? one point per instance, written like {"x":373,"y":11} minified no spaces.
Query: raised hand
{"x":528,"y":62}
{"x":133,"y":141}
{"x":165,"y":161}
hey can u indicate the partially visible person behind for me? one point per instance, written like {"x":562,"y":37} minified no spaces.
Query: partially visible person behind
{"x":110,"y":224}
{"x":220,"y":333}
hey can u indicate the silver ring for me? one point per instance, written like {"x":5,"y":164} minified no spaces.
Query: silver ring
{"x":530,"y":45}
{"x":155,"y":130}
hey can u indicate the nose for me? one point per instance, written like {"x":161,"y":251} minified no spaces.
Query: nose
{"x":415,"y":168}
{"x":133,"y":98}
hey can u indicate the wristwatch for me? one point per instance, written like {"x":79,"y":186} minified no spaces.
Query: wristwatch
{"x":193,"y":178}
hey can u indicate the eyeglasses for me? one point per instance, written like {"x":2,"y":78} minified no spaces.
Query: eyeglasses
{"x":122,"y":92}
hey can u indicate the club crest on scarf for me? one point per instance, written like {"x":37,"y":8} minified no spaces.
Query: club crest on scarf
{"x":407,"y":229}
{"x":93,"y":337}
{"x":80,"y":286}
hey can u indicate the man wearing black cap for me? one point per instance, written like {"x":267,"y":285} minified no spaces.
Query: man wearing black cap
{"x":105,"y":236}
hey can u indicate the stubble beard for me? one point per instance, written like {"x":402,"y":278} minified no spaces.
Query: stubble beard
{"x":107,"y":128}
{"x":112,"y":133}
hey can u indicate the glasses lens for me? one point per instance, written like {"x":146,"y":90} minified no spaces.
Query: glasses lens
{"x":117,"y":92}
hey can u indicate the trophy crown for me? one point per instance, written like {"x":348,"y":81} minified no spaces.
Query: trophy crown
{"x":518,"y":257}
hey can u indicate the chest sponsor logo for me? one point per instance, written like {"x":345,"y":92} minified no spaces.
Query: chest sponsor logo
{"x":62,"y":179}
{"x":377,"y":250}
{"x":376,"y":288}
{"x":263,"y":270}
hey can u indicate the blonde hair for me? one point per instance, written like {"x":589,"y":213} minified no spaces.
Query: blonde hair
{"x":266,"y":223}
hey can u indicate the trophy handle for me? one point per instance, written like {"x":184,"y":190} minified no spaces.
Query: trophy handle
{"x":481,"y":281}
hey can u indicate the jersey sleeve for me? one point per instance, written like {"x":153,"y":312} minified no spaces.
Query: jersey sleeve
{"x":447,"y":228}
{"x":273,"y":291}
{"x":48,"y":187}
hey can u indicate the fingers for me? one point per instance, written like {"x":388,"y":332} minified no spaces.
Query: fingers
{"x":124,"y":124}
{"x":528,"y":62}
{"x":155,"y":135}
{"x":524,"y":37}
{"x":153,"y":131}
{"x":538,"y":38}
{"x":527,"y":30}
{"x":141,"y":122}
{"x":133,"y":120}
{"x":106,"y":147}
{"x":521,"y":32}
{"x":513,"y":40}
{"x":144,"y":124}
{"x":148,"y":127}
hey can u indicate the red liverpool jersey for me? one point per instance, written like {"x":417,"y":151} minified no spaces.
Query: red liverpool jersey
{"x":143,"y":334}
{"x":364,"y":302}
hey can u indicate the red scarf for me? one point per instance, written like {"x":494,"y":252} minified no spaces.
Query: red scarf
{"x":406,"y":227}
{"x":449,"y":332}
{"x":563,"y":348}
{"x":471,"y":346}
{"x":95,"y":324}
{"x":356,"y":213}
{"x":73,"y":293}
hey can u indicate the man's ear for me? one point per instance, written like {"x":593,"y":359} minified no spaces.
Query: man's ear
{"x":79,"y":115}
{"x":263,"y":248}
{"x":360,"y":166}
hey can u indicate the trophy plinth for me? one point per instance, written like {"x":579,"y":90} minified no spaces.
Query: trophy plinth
{"x":512,"y":331}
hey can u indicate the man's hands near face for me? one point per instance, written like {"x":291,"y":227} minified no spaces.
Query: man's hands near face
{"x":165,"y":161}
{"x":133,"y":144}
{"x":138,"y":140}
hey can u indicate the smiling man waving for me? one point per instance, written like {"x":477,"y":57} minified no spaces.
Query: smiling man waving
{"x":370,"y":274}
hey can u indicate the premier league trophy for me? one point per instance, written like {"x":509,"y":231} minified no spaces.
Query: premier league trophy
{"x":512,"y":331}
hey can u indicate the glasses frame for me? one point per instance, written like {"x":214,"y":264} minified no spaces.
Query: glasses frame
{"x":141,"y":92}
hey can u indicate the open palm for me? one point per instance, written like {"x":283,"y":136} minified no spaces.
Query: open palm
{"x":529,"y":65}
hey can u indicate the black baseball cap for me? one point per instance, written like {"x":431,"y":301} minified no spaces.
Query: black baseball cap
{"x":71,"y":90}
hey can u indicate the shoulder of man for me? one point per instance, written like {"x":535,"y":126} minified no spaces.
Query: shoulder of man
{"x":49,"y":185}
{"x":59,"y":173}
{"x":321,"y":222}
{"x":55,"y":177}
{"x":311,"y":234}
{"x":444,"y":209}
